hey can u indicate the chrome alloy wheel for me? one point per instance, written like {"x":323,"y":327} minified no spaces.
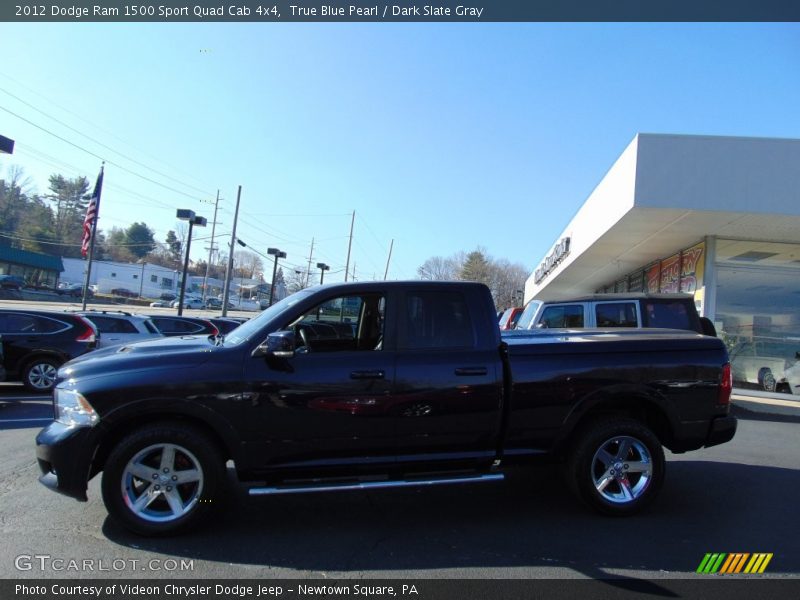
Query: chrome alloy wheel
{"x":162,"y":483}
{"x":622,"y":469}
{"x":42,"y":376}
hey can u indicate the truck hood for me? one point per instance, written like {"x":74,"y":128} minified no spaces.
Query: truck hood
{"x":160,"y":353}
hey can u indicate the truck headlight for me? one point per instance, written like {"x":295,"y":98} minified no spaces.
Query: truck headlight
{"x":73,"y":409}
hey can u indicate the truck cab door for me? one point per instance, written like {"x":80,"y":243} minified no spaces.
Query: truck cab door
{"x":449,"y":378}
{"x":329,"y":404}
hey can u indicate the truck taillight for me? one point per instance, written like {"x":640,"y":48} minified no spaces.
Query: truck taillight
{"x":725,"y":386}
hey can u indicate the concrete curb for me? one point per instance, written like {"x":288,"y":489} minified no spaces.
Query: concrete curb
{"x":767,"y":405}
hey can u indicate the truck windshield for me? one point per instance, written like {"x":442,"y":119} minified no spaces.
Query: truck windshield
{"x":526,"y":319}
{"x":248,"y":329}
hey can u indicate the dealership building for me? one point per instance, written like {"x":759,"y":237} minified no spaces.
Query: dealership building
{"x":716,"y":217}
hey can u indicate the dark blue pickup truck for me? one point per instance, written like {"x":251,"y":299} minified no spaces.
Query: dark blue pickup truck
{"x":361,"y":385}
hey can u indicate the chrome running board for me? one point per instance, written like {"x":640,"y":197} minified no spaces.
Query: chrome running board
{"x":370,"y":485}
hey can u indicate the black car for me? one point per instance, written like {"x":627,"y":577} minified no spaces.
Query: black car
{"x":75,"y":290}
{"x":172,"y":326}
{"x":36,"y":343}
{"x":12,"y":282}
{"x":224,"y":325}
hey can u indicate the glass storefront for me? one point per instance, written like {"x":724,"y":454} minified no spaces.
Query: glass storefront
{"x":757,"y":309}
{"x":758,"y":313}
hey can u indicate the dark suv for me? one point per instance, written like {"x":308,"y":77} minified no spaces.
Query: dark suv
{"x":36,"y":343}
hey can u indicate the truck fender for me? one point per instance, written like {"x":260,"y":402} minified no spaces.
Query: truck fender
{"x":633,"y":400}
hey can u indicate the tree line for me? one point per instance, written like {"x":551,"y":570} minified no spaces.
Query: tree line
{"x":52,"y":223}
{"x":505,"y":279}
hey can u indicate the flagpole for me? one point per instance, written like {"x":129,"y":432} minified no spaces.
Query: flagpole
{"x":98,"y":191}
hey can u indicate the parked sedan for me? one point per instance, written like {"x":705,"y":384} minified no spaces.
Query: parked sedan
{"x":175,"y":326}
{"x":75,"y":290}
{"x":36,"y":343}
{"x":217,"y":303}
{"x":189,"y":302}
{"x":125,"y":293}
{"x":224,"y":325}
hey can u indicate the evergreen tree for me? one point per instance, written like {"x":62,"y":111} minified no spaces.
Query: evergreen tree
{"x":68,"y":199}
{"x":140,"y":240}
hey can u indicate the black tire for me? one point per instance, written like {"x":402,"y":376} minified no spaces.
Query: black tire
{"x":39,"y":374}
{"x":617,"y":466}
{"x":163,"y":479}
{"x":767,"y":380}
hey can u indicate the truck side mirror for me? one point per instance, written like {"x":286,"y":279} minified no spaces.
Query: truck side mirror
{"x":279,"y":344}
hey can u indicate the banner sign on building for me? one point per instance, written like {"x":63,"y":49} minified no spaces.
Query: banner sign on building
{"x":681,"y":272}
{"x":693,"y":268}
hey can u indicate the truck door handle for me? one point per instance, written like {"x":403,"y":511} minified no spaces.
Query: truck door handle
{"x":471,"y":371}
{"x":367,"y":374}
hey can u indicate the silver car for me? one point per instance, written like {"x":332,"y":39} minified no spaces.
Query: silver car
{"x":117,"y":327}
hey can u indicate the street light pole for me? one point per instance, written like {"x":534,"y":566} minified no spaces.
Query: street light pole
{"x":141,"y":281}
{"x":187,"y":215}
{"x":277,"y":254}
{"x":322,"y":267}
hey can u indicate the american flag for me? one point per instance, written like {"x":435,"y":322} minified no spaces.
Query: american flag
{"x":91,"y":215}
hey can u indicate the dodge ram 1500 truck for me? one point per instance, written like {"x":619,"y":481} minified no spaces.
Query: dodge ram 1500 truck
{"x":362,"y":385}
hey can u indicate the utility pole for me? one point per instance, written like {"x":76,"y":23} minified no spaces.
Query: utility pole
{"x":310,"y":256}
{"x":211,"y":247}
{"x":226,"y":291}
{"x":349,"y":246}
{"x":386,"y":273}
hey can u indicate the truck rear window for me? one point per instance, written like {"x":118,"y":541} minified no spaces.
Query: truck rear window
{"x":437,"y":320}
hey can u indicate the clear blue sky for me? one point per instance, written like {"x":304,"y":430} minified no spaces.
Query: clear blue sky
{"x":443,"y":137}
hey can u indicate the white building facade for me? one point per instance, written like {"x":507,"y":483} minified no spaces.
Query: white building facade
{"x":143,"y":279}
{"x":716,"y":217}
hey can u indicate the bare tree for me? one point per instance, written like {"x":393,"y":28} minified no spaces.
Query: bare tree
{"x":297,"y":280}
{"x":508,"y":283}
{"x":505,"y":279}
{"x":438,"y":268}
{"x":248,"y":264}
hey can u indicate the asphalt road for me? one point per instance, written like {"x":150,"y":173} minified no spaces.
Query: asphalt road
{"x":738,"y":497}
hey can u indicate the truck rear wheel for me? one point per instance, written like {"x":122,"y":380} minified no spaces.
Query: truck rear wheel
{"x":617,"y":466}
{"x":162,"y":479}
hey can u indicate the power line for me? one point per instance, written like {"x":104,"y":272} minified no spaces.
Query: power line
{"x":110,"y":162}
{"x":101,"y":144}
{"x":60,"y":106}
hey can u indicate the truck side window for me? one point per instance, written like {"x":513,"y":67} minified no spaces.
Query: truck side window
{"x":341,"y":324}
{"x":568,"y":315}
{"x":437,"y":320}
{"x":616,"y":314}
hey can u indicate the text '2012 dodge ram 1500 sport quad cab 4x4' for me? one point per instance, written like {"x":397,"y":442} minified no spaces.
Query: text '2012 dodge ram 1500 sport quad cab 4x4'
{"x":360,"y":385}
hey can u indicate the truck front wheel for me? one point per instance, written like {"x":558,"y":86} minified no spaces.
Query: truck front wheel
{"x":617,"y":466}
{"x":162,"y":479}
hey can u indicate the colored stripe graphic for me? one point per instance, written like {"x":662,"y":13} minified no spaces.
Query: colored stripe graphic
{"x":711,"y":563}
{"x":734,"y":563}
{"x":758,"y":564}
